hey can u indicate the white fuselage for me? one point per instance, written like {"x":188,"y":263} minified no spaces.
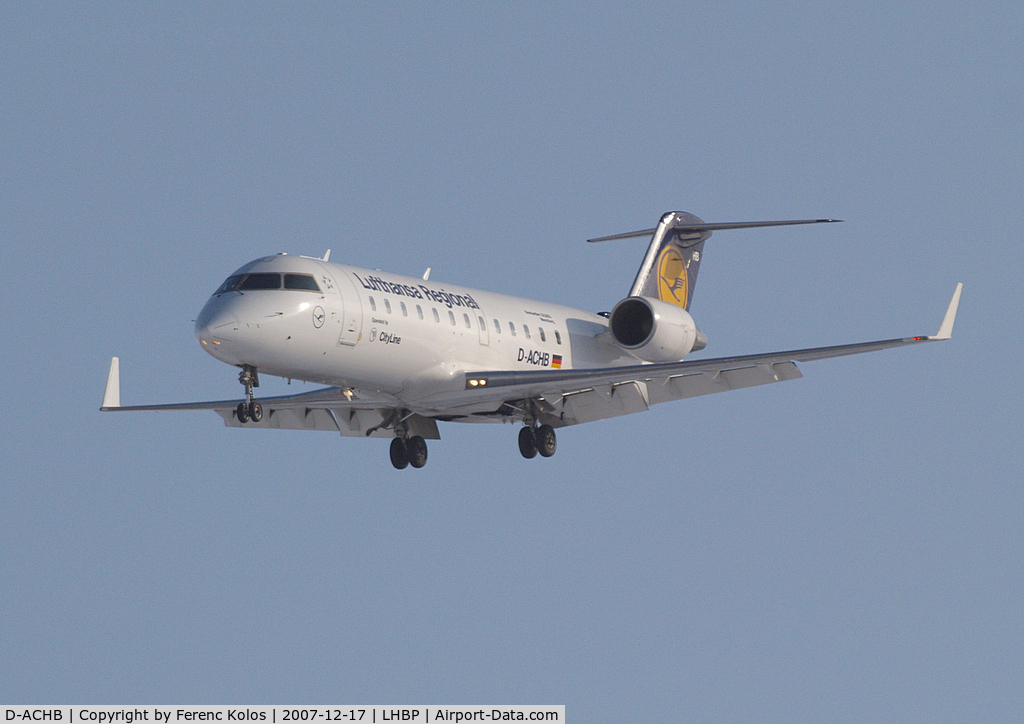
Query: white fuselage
{"x":394,"y":335}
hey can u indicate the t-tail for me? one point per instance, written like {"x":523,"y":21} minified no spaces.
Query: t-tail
{"x":669,"y":270}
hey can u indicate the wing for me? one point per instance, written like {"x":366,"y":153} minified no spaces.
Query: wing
{"x":332,"y":409}
{"x":569,"y":397}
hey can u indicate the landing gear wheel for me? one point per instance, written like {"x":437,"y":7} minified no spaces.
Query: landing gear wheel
{"x":527,"y":443}
{"x":416,"y":451}
{"x":242,"y":413}
{"x":545,"y":440}
{"x":400,"y":454}
{"x":255,"y":411}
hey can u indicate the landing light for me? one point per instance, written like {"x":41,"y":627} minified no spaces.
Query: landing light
{"x":476,"y":383}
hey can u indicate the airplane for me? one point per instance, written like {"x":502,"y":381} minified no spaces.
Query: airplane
{"x":399,"y":354}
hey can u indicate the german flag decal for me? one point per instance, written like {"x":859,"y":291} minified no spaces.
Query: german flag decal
{"x":556,"y":361}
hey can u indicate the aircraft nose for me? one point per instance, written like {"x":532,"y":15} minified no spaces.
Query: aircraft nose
{"x":216,"y":323}
{"x":219,"y":326}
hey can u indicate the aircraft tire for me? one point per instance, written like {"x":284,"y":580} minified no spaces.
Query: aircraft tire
{"x":255,"y":412}
{"x":416,"y":451}
{"x":399,"y":454}
{"x":546,"y":441}
{"x":242,"y":413}
{"x":527,"y":443}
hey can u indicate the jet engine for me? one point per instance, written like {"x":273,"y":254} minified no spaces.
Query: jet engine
{"x":655,"y":331}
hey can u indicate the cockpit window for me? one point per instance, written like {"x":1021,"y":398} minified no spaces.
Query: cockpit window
{"x":230,"y":284}
{"x":247,"y":282}
{"x":301,"y":281}
{"x":260,"y":281}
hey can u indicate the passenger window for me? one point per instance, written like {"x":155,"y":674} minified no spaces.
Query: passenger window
{"x":497,"y":327}
{"x":451,"y":316}
{"x":512,"y":328}
{"x":305,"y":282}
{"x":373,"y":305}
{"x":542,"y":337}
{"x":419,"y":311}
{"x":261,"y":281}
{"x":405,"y":312}
{"x":558,"y":336}
{"x":468,"y":324}
{"x":387,"y":305}
{"x":526,"y":331}
{"x":437,"y":318}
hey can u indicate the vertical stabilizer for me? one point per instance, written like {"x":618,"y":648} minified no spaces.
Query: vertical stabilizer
{"x":669,"y":270}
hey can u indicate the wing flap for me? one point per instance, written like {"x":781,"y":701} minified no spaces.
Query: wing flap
{"x":348,"y":422}
{"x":696,"y":384}
{"x":606,"y":401}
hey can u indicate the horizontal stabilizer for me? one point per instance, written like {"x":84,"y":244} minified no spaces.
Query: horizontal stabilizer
{"x":698,"y":228}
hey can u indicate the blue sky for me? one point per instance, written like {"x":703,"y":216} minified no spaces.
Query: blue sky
{"x":845,"y":547}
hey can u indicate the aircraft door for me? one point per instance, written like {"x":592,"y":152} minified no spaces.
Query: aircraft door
{"x":482,"y":323}
{"x":352,"y":315}
{"x":348,"y":308}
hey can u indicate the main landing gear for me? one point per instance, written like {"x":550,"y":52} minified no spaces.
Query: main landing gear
{"x":411,"y":451}
{"x":533,"y":440}
{"x":250,"y":409}
{"x":405,"y":450}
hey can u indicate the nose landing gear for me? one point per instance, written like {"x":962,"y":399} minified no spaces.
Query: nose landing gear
{"x":250,"y":409}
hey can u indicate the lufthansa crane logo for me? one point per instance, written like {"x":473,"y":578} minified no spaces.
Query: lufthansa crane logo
{"x":673,"y":281}
{"x":319,"y":317}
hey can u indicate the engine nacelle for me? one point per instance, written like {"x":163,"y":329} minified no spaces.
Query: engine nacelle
{"x":655,"y":331}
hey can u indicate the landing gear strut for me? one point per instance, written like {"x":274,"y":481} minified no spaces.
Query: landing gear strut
{"x":250,"y":409}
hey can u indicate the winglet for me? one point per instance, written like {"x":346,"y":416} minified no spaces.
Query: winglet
{"x":946,"y":328}
{"x":112,"y":395}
